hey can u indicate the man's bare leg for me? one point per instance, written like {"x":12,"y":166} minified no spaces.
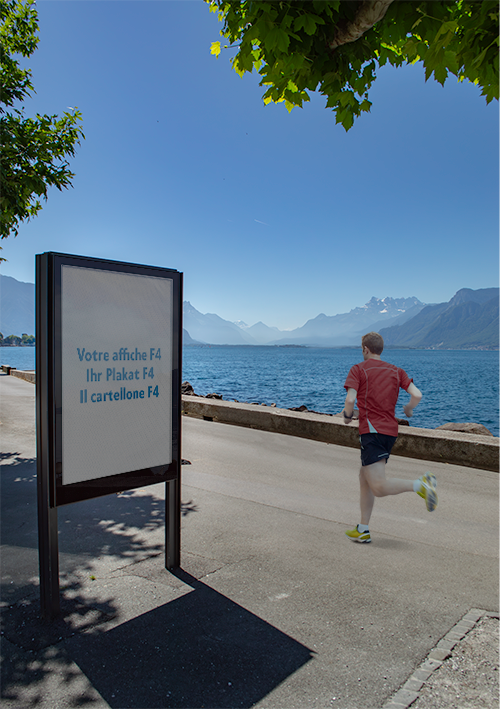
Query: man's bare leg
{"x":373,"y":483}
{"x":366,"y":498}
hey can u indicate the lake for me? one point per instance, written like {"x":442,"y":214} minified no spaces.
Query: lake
{"x":458,"y":385}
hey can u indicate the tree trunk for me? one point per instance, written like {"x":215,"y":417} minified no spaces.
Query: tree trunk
{"x":369,"y":12}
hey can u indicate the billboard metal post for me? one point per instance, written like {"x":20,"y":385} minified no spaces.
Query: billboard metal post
{"x":173,"y":487}
{"x":49,"y":563}
{"x":47,"y":514}
{"x":172,"y":525}
{"x":108,"y":381}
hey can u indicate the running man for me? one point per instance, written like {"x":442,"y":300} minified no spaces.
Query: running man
{"x":375,"y":384}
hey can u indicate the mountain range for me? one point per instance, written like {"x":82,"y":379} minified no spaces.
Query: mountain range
{"x":321,"y":331}
{"x":17,"y":307}
{"x":469,"y":320}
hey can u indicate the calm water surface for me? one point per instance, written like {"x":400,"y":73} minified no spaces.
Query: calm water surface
{"x":457,"y":385}
{"x":18,"y":357}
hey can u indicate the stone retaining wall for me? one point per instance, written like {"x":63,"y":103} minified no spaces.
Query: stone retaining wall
{"x":20,"y":374}
{"x":27,"y":376}
{"x":470,"y":450}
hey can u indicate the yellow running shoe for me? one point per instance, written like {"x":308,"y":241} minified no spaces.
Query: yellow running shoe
{"x":428,"y":491}
{"x":356,"y":536}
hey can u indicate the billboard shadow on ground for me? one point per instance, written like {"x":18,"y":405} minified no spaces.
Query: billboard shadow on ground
{"x":200,"y":650}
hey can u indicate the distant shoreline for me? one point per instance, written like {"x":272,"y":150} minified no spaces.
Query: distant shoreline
{"x":356,"y":347}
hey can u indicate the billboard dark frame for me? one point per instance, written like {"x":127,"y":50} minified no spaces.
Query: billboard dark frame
{"x":50,"y":414}
{"x":51,"y":491}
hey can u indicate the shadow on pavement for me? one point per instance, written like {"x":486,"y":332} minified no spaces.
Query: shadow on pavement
{"x":200,"y":650}
{"x":128,"y":526}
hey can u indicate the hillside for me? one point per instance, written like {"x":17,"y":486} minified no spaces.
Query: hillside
{"x":17,"y":307}
{"x":468,"y":321}
{"x":212,"y":329}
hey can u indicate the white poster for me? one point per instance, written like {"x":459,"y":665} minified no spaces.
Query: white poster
{"x":116,"y":372}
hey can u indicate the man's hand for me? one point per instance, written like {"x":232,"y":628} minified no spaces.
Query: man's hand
{"x":349,"y":405}
{"x":415,"y":395}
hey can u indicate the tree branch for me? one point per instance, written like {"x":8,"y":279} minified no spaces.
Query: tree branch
{"x":369,"y":12}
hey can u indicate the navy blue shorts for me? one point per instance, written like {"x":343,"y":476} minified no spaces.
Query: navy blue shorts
{"x":375,"y":447}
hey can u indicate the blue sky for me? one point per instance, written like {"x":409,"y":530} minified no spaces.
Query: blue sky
{"x":271,"y":216}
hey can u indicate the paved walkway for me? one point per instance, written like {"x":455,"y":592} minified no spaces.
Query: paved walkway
{"x":273,"y":608}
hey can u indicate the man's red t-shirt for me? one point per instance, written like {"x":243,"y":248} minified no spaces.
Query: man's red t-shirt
{"x":377,"y":384}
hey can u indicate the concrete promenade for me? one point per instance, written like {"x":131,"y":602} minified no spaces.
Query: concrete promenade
{"x":273,"y":607}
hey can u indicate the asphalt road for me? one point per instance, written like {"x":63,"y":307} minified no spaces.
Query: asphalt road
{"x":273,"y":608}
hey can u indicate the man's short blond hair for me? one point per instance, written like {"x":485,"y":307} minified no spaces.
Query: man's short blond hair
{"x":374,"y":342}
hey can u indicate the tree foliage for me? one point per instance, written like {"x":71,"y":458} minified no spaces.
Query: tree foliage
{"x":298,"y":46}
{"x":34,"y":151}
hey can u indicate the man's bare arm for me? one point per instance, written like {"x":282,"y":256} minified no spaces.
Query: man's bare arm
{"x":349,"y":405}
{"x":415,"y":395}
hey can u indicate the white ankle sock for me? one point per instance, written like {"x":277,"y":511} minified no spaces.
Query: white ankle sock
{"x":363,"y":528}
{"x":417,"y":484}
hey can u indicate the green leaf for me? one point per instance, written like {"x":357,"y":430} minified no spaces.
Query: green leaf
{"x":215,"y":48}
{"x":283,"y":40}
{"x":478,"y":60}
{"x":451,"y":62}
{"x":346,"y":119}
{"x":311,"y":22}
{"x":271,"y":39}
{"x":441,"y":74}
{"x":449,"y":27}
{"x":299,"y":22}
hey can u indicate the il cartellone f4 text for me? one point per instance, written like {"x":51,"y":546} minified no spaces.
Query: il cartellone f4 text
{"x":137,"y":365}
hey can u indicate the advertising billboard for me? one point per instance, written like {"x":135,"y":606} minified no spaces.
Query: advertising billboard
{"x":108,"y":368}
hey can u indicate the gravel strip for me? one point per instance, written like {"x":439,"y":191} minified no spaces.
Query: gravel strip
{"x":461,"y":672}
